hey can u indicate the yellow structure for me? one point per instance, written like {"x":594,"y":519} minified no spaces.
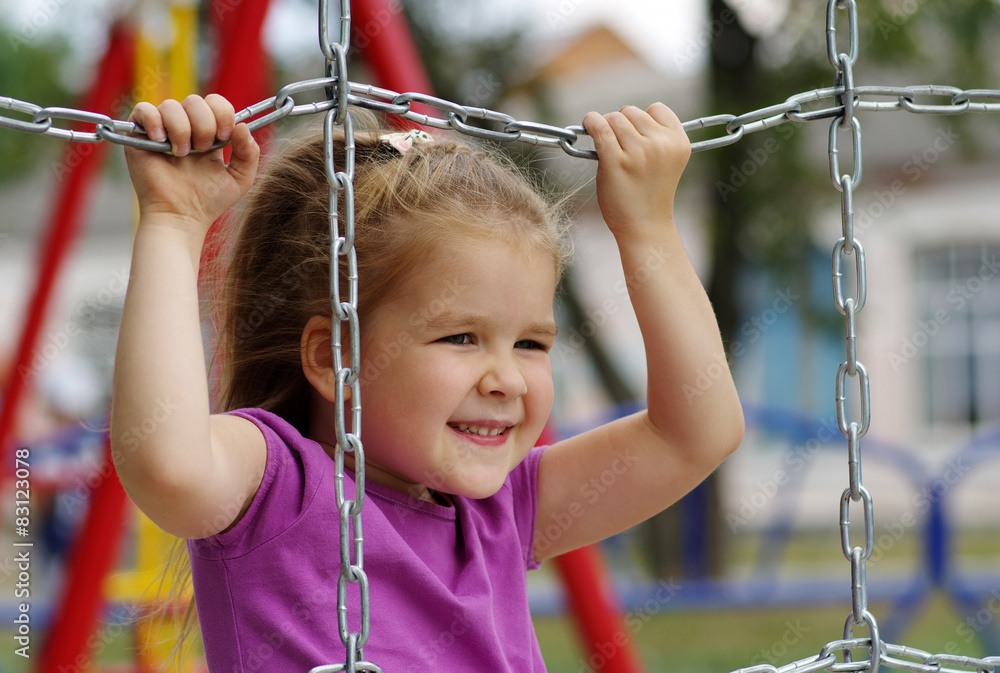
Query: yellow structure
{"x":148,"y":584}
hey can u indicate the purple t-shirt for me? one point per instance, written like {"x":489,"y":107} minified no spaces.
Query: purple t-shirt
{"x":447,"y":584}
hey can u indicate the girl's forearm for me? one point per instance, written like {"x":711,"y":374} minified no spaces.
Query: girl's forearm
{"x":690,"y":394}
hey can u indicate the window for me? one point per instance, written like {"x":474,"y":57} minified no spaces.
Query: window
{"x":957,"y":338}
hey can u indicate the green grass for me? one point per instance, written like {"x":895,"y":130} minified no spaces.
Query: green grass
{"x":691,"y":641}
{"x":719,"y":641}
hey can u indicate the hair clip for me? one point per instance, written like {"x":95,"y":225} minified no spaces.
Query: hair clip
{"x":405,"y":140}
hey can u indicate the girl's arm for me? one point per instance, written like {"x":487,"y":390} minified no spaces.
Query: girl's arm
{"x":611,"y":478}
{"x":190,"y":473}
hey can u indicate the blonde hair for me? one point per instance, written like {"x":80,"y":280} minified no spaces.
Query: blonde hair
{"x":274,"y":275}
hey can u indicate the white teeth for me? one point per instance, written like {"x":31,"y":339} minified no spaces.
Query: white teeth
{"x":476,"y":430}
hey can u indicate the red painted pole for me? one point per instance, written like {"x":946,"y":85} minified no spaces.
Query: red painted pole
{"x":241,"y":78}
{"x":68,"y":646}
{"x":594,"y":606}
{"x":242,"y":73}
{"x":381,"y":33}
{"x":97,"y":548}
{"x":597,"y":612}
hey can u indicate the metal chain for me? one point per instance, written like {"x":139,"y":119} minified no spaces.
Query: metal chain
{"x":843,"y":101}
{"x":850,"y":306}
{"x":800,"y":107}
{"x":345,"y":313}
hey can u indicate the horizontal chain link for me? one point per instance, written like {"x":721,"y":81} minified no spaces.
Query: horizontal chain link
{"x":339,"y":668}
{"x":42,"y":120}
{"x":894,"y":656}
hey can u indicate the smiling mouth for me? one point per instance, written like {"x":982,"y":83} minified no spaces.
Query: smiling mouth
{"x":478,"y":430}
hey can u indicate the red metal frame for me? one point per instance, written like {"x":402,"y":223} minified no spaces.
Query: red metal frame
{"x":96,"y":551}
{"x":596,"y":610}
{"x":241,"y":77}
{"x":114,"y":77}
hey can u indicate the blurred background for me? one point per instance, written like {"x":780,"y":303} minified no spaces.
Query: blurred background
{"x":749,"y":568}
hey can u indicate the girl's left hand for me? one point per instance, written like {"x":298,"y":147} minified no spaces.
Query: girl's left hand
{"x":641,"y":155}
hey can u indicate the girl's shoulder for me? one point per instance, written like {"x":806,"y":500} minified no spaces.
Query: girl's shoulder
{"x":295,"y":469}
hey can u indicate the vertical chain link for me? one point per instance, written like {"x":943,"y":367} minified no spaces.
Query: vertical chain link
{"x":850,"y":306}
{"x":344,"y":318}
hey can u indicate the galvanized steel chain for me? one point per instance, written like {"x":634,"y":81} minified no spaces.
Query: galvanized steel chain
{"x":848,"y":246}
{"x":344,"y":316}
{"x":501,"y":127}
{"x":897,"y":657}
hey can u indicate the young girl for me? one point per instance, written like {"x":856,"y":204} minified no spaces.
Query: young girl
{"x":459,"y":259}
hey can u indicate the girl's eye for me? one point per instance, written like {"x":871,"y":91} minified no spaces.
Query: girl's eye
{"x":457,"y":339}
{"x":531,"y":344}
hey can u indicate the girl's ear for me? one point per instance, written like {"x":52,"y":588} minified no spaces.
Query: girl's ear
{"x":317,"y":361}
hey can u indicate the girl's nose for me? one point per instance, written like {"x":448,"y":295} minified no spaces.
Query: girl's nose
{"x":503,"y":378}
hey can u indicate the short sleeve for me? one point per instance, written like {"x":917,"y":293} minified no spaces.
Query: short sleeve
{"x":524,"y":490}
{"x":291,"y":476}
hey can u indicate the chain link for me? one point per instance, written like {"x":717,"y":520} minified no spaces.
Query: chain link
{"x":339,"y":94}
{"x":831,"y":31}
{"x":508,"y":129}
{"x":340,"y":180}
{"x":850,"y":307}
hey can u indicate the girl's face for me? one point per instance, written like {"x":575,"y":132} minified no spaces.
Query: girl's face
{"x":456,"y":382}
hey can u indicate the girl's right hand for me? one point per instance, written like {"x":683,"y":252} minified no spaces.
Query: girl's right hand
{"x":191,"y":190}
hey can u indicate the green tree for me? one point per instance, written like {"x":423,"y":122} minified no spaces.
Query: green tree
{"x":29,"y":72}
